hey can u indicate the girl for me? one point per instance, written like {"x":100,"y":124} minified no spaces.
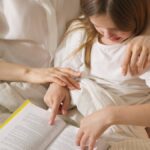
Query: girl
{"x":109,"y":101}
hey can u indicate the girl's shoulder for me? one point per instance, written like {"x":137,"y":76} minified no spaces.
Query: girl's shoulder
{"x":75,"y":32}
{"x":76,"y":26}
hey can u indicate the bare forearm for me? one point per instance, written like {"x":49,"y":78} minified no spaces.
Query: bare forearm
{"x":12,"y":72}
{"x":131,"y":115}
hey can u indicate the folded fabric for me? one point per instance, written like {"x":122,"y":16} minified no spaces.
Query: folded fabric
{"x":93,"y":97}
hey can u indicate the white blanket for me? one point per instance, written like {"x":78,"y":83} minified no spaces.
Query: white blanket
{"x":93,"y":97}
{"x":12,"y":95}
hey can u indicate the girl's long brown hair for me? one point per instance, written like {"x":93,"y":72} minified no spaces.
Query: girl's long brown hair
{"x":127,"y":15}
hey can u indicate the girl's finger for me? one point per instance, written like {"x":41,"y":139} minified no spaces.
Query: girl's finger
{"x":48,"y":100}
{"x":54,"y":112}
{"x":65,"y":106}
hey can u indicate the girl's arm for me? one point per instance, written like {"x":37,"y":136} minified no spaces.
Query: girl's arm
{"x":58,"y":99}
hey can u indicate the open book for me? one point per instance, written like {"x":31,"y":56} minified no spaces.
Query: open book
{"x":28,"y":129}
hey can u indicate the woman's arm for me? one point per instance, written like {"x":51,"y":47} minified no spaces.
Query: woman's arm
{"x":137,"y":55}
{"x":131,"y":115}
{"x":13,"y":72}
{"x":93,"y":126}
{"x":16,"y":72}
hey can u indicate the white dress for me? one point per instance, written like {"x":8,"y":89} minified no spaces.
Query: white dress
{"x":104,"y":83}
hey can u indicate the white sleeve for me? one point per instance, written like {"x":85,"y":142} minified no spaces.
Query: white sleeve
{"x":65,"y":57}
{"x":146,"y":77}
{"x":63,"y":15}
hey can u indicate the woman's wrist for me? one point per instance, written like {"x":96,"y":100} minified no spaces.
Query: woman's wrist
{"x":120,"y":115}
{"x":26,"y":74}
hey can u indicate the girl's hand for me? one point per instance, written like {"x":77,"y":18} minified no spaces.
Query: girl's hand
{"x":137,"y":57}
{"x":91,"y":127}
{"x":61,"y":76}
{"x":58,"y":99}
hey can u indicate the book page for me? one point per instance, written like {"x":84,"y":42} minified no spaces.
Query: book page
{"x":66,"y":141}
{"x":29,"y":130}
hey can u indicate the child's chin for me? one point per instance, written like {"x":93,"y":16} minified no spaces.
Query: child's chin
{"x":118,"y":40}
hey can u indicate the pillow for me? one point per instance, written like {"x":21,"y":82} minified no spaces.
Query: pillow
{"x":31,"y":30}
{"x":3,"y":24}
{"x":66,"y":10}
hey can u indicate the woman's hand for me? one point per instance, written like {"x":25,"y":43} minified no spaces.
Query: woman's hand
{"x":61,"y":76}
{"x":58,"y":99}
{"x":137,"y":57}
{"x":16,"y":72}
{"x":91,"y":127}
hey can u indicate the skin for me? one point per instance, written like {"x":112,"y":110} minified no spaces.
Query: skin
{"x":61,"y":76}
{"x":58,"y":99}
{"x":108,"y":31}
{"x":93,"y":126}
{"x":137,"y":56}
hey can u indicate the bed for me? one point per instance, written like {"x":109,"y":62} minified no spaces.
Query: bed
{"x":20,"y":40}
